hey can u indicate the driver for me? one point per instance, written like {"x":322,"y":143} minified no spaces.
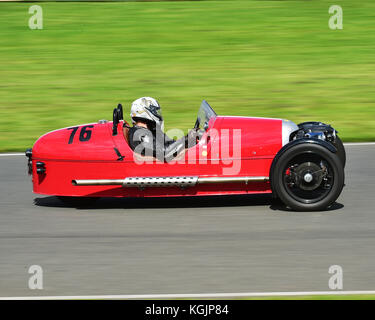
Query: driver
{"x":147,"y":138}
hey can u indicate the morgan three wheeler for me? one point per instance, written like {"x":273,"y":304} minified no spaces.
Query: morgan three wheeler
{"x":302,"y":165}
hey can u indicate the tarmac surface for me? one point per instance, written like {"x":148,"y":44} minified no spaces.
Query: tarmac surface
{"x":192,"y":245}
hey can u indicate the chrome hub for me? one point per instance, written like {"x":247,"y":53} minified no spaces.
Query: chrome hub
{"x":308,"y":177}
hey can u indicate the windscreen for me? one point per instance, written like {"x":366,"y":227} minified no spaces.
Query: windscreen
{"x":205,"y":113}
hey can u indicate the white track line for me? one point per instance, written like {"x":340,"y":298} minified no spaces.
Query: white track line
{"x":196,"y":296}
{"x":349,"y":144}
{"x":11,"y":154}
{"x":359,"y":144}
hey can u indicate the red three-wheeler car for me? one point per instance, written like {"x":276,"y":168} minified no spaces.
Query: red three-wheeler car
{"x":303,"y":165}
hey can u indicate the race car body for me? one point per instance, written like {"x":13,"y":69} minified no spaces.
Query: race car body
{"x":233,"y":155}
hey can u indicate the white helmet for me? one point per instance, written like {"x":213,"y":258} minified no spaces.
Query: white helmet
{"x":146,"y":108}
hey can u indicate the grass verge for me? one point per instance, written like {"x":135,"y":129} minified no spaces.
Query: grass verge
{"x":251,"y":58}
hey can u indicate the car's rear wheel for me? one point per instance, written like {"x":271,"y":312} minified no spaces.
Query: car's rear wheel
{"x":308,"y":177}
{"x":78,"y":201}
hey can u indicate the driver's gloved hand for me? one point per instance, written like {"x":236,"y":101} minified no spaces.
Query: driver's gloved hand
{"x":200,"y":133}
{"x":193,"y":137}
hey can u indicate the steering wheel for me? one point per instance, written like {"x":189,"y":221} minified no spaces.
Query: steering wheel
{"x":198,"y":132}
{"x":196,"y":125}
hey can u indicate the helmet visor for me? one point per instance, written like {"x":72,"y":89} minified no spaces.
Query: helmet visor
{"x":155,"y":111}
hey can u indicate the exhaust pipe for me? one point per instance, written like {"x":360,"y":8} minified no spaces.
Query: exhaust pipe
{"x":143,"y":182}
{"x":103,"y":182}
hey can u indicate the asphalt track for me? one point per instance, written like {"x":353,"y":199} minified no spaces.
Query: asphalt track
{"x":160,"y":246}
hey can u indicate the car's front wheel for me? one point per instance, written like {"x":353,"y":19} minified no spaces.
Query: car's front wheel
{"x":308,"y":177}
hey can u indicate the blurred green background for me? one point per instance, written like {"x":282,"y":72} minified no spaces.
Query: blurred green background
{"x":252,"y":58}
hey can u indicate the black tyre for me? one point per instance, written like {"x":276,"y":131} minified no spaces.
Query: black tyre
{"x":308,"y":177}
{"x":78,"y":201}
